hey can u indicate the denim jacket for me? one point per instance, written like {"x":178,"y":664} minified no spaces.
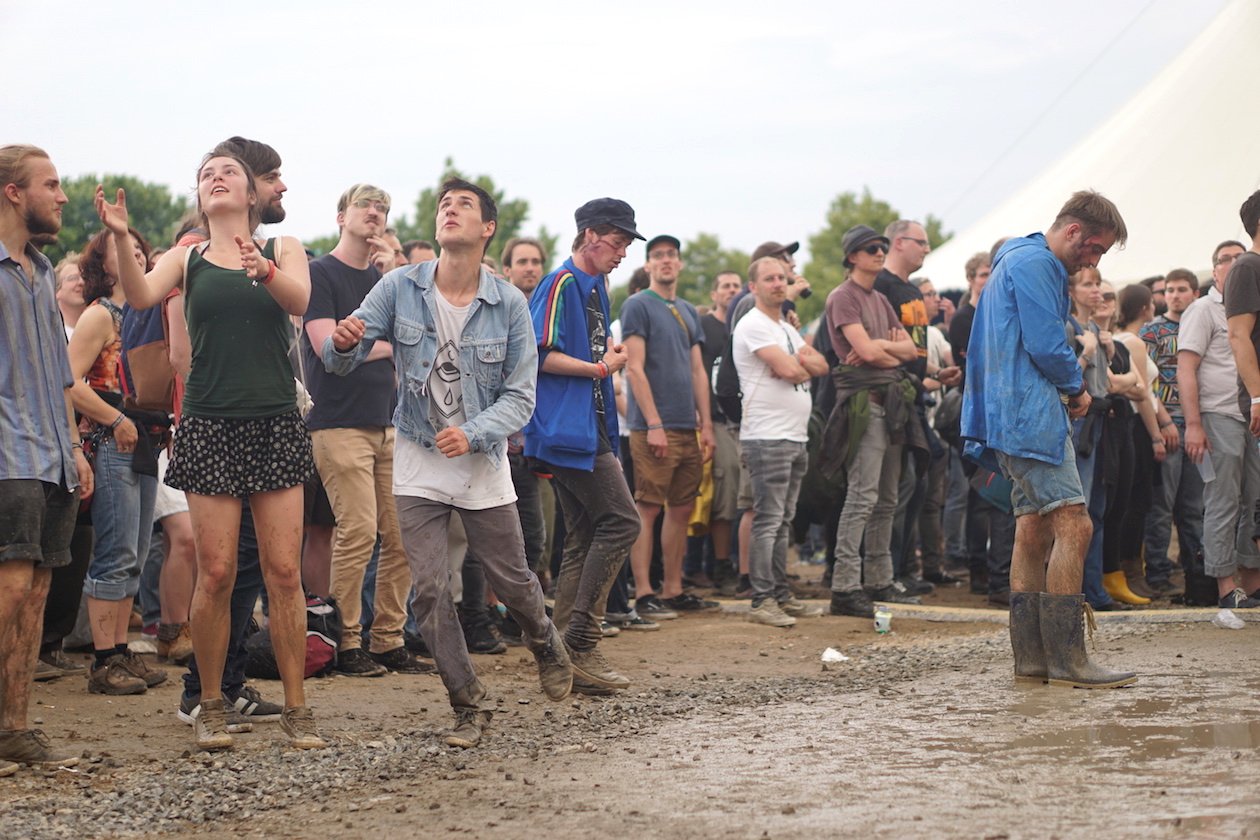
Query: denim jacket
{"x":497,"y":355}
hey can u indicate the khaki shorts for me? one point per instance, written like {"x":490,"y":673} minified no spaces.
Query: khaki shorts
{"x":673,"y":480}
{"x":726,"y":467}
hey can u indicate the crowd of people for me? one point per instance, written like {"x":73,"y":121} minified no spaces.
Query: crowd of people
{"x":437,"y":442}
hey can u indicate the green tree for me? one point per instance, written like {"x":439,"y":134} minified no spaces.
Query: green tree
{"x":154,"y":211}
{"x":703,"y":259}
{"x":321,"y":245}
{"x":825,"y":269}
{"x":512,"y":215}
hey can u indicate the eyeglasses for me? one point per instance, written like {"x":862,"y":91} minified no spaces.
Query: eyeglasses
{"x":378,"y":206}
{"x":1109,"y":295}
{"x":1226,"y":259}
{"x":922,"y":243}
{"x":932,"y":294}
{"x":875,"y":248}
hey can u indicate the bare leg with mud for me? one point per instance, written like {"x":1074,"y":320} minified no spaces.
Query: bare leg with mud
{"x":23,"y":591}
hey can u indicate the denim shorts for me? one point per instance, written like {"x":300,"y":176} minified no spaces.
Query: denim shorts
{"x":36,"y":522}
{"x":1040,"y":487}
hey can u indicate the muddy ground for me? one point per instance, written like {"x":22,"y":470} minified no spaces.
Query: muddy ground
{"x":730,"y":730}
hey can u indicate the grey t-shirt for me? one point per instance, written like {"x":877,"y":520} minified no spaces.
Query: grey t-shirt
{"x":670,"y":329}
{"x":1204,"y":330}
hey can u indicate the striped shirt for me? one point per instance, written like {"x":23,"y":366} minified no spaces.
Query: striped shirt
{"x":34,"y":373}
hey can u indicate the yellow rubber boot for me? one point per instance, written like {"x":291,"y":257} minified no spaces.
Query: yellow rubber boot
{"x":1117,"y":587}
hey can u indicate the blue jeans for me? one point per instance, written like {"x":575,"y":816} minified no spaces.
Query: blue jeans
{"x":245,"y":592}
{"x":775,"y":469}
{"x":1092,"y":482}
{"x":122,"y":516}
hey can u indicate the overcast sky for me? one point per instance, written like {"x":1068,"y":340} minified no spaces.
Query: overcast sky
{"x":743,"y":119}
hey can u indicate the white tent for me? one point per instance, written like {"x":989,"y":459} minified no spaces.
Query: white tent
{"x":1178,"y":160}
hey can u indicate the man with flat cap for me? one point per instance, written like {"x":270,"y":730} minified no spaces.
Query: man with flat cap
{"x":573,"y":434}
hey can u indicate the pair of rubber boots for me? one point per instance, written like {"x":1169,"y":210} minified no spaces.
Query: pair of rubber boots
{"x":1048,"y":640}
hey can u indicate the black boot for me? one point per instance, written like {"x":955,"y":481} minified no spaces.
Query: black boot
{"x":1063,"y":637}
{"x":1030,"y":655}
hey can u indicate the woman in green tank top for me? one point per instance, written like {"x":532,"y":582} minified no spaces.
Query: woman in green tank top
{"x":240,"y":435}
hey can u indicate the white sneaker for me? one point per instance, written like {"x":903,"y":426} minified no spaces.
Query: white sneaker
{"x":770,"y":614}
{"x":1227,"y":620}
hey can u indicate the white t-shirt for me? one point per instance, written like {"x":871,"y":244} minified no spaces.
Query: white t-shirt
{"x":774,"y":409}
{"x":470,"y":481}
{"x":937,"y":353}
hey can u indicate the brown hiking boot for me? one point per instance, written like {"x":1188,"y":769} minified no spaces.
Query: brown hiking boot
{"x":174,"y":643}
{"x":592,"y":668}
{"x":139,"y":668}
{"x":555,"y":672}
{"x":31,"y":746}
{"x":114,"y":677}
{"x":471,"y":716}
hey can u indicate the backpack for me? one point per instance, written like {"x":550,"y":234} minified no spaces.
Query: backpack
{"x":323,"y":638}
{"x":726,"y":383}
{"x":147,"y":378}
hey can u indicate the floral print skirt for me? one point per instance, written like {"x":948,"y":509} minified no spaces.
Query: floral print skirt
{"x":220,"y":456}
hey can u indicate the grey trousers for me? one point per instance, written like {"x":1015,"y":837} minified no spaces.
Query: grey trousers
{"x":869,"y":506}
{"x":1229,"y":500}
{"x":494,"y":535}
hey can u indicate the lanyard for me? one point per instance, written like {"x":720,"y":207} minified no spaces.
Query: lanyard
{"x":673,"y":310}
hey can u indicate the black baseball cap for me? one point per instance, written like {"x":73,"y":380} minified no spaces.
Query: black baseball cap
{"x":769,"y":249}
{"x":663,"y":237}
{"x":607,"y":211}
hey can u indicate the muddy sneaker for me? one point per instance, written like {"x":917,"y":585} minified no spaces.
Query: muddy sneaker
{"x":555,"y":671}
{"x":236,"y":723}
{"x":608,"y":630}
{"x":7,"y":768}
{"x":631,"y":621}
{"x":31,"y":746}
{"x":653,"y":608}
{"x":799,"y":609}
{"x":590,"y":690}
{"x":402,"y":661}
{"x":299,"y":724}
{"x":480,"y":636}
{"x":854,"y":603}
{"x":687,"y":602}
{"x":114,"y":677}
{"x":893,"y":593}
{"x":356,"y":663}
{"x":45,"y":671}
{"x":470,"y":724}
{"x":139,"y":668}
{"x":250,"y":706}
{"x":210,"y":726}
{"x":592,"y":668}
{"x":769,"y":614}
{"x":56,"y":658}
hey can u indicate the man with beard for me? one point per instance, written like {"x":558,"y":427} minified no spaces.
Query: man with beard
{"x":42,"y":468}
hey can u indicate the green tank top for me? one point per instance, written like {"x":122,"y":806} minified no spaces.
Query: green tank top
{"x":240,"y":344}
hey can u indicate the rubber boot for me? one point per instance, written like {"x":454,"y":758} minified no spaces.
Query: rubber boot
{"x":1135,"y":576}
{"x":1063,"y":638}
{"x":1117,"y":586}
{"x":1030,"y":655}
{"x":472,"y":715}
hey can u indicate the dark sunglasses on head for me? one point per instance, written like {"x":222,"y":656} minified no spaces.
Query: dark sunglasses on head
{"x":875,"y":248}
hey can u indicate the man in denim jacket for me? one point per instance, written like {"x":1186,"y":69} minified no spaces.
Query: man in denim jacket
{"x":466,"y":359}
{"x":1023,"y":385}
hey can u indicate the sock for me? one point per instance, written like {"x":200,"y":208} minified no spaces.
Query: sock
{"x":101,"y":656}
{"x":121,"y":650}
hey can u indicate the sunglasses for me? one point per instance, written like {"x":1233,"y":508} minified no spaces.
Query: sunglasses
{"x":875,"y":248}
{"x":1109,"y":295}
